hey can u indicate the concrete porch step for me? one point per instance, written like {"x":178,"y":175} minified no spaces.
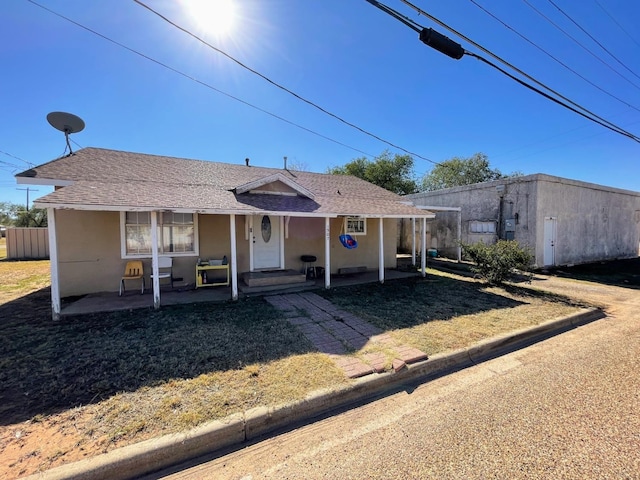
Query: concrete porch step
{"x":273,"y":277}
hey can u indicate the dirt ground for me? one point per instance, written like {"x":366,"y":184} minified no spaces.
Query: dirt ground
{"x":23,"y":445}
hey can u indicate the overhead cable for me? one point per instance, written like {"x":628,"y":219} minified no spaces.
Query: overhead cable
{"x":588,"y":114}
{"x":577,"y":42}
{"x":201,"y":82}
{"x":592,"y":38}
{"x":281,"y":87}
{"x":550,"y":97}
{"x":17,"y":158}
{"x":617,"y":23}
{"x":509,"y":27}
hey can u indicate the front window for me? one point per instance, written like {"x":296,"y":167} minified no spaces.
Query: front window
{"x":176,"y":233}
{"x":356,"y":226}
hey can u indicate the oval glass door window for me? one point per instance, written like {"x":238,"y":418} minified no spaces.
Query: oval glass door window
{"x":266,"y":229}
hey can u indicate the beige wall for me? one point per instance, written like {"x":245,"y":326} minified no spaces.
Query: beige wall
{"x":90,"y":259}
{"x":88,"y":251}
{"x":367,"y":252}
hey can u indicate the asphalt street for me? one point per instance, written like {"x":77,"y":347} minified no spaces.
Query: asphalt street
{"x":568,"y":407}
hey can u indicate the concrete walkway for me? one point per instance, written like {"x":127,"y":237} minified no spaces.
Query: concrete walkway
{"x":337,"y":333}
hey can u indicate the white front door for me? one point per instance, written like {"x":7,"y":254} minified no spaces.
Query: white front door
{"x":266,"y":238}
{"x":550,"y":225}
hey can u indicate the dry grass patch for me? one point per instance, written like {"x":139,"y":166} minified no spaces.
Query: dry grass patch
{"x":19,"y":278}
{"x":88,"y":384}
{"x":445,"y":311}
{"x":3,"y":248}
{"x":178,"y":405}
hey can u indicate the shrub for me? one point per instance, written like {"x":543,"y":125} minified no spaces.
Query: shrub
{"x":497,"y":262}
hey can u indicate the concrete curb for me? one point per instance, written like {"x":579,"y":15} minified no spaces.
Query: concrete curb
{"x":158,"y":453}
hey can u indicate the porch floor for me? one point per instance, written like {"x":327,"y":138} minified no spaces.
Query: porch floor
{"x":132,"y":299}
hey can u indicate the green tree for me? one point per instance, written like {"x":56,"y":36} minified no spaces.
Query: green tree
{"x":392,"y":172}
{"x":36,"y":217}
{"x":9,"y":213}
{"x":462,"y":171}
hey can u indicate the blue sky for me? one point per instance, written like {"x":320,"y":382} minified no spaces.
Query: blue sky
{"x":346,"y":56}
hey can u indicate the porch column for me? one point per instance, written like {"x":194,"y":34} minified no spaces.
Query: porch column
{"x":459,"y":235}
{"x":381,"y":251}
{"x":53,"y":257}
{"x":413,"y":241}
{"x":423,"y":256}
{"x":327,"y":253}
{"x":154,"y":260}
{"x":234,"y":254}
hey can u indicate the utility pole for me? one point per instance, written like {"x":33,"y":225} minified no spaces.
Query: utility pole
{"x":28,"y":189}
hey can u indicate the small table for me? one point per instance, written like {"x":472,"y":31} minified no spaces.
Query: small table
{"x":202,"y":269}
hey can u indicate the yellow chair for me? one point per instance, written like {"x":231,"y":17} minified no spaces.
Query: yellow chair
{"x":132,"y":271}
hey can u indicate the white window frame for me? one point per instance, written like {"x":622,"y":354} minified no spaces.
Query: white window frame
{"x":123,"y":239}
{"x":479,"y":227}
{"x":348,"y":222}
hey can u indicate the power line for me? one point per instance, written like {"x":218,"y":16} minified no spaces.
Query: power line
{"x":17,"y":158}
{"x":592,"y":38}
{"x":278,"y":85}
{"x":577,"y":42}
{"x":509,"y":27}
{"x":201,"y":82}
{"x":616,"y":22}
{"x":588,"y":114}
{"x":549,"y":97}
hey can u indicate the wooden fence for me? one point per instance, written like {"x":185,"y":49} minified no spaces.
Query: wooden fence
{"x":27,"y":243}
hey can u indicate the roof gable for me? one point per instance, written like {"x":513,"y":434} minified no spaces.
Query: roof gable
{"x":274,"y":181}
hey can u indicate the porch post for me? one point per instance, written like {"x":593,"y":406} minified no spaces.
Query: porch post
{"x":154,"y":260}
{"x":251,"y":242}
{"x":381,"y":251}
{"x":327,"y":253}
{"x":234,"y":254}
{"x":413,"y":241}
{"x":459,"y":236}
{"x":423,"y":256}
{"x":53,"y":257}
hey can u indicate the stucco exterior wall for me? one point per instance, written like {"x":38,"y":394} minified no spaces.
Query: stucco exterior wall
{"x":594,"y":222}
{"x":90,"y":260}
{"x":88,"y":251}
{"x":366,"y":255}
{"x":405,"y":237}
{"x":306,"y":237}
{"x":481,"y":202}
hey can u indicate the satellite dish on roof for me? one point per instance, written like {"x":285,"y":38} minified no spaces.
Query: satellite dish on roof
{"x":67,"y":123}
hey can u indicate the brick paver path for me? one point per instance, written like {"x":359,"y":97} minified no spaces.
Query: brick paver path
{"x":337,"y":333}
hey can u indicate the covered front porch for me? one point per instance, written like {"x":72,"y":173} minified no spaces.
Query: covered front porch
{"x":237,"y":240}
{"x":132,"y":300}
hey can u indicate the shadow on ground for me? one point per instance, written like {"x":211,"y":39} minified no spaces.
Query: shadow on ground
{"x":619,"y":273}
{"x":47,"y":366}
{"x":417,"y":300}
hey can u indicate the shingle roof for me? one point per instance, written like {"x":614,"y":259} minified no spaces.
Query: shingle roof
{"x":115,"y":180}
